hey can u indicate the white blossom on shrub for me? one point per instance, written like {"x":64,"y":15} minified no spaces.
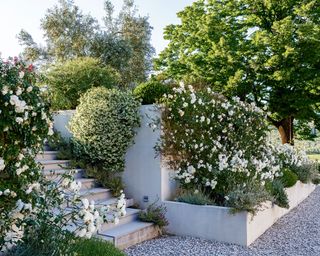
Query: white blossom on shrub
{"x":27,"y":200}
{"x":215,"y":144}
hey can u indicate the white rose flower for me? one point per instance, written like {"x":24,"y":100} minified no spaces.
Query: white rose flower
{"x":2,"y":164}
{"x":19,"y":120}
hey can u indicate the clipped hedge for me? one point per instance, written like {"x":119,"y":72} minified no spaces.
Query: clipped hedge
{"x":151,"y":91}
{"x":103,"y":128}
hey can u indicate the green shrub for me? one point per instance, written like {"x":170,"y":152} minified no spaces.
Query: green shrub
{"x":306,"y":172}
{"x":151,"y":91}
{"x":58,"y":143}
{"x":68,"y":80}
{"x":217,"y":145}
{"x":96,"y":247}
{"x":278,"y":192}
{"x":247,"y":198}
{"x":192,"y":197}
{"x":103,"y":128}
{"x":288,"y":178}
{"x":156,"y":214}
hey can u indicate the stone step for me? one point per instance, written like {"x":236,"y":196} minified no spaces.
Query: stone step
{"x":54,"y":164}
{"x":129,"y":234}
{"x":56,"y":174}
{"x":87,"y":183}
{"x":129,"y":202}
{"x":131,"y":215}
{"x":47,"y":155}
{"x":96,"y":194}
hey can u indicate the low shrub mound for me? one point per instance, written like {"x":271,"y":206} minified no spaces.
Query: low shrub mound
{"x":96,"y":247}
{"x":151,"y":91}
{"x":103,"y":128}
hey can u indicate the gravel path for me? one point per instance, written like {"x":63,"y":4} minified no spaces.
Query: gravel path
{"x":296,"y":234}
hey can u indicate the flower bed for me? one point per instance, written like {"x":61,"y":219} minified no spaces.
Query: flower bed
{"x":217,"y":223}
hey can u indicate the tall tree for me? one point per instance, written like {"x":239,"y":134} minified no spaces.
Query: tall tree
{"x":67,"y":31}
{"x":124,"y":42}
{"x":262,"y":51}
{"x":136,"y":31}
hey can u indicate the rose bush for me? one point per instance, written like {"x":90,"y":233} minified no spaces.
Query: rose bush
{"x":29,"y":203}
{"x":220,"y":146}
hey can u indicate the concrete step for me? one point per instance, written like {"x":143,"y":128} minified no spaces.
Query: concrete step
{"x":47,"y":155}
{"x":129,"y":202}
{"x":131,"y":215}
{"x":56,"y":174}
{"x":129,"y":234}
{"x":87,"y":183}
{"x":96,"y":194}
{"x":54,"y":164}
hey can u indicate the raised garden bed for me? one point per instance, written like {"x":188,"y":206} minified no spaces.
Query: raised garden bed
{"x":217,"y":223}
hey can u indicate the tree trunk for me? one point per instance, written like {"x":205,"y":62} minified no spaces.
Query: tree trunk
{"x":285,"y":128}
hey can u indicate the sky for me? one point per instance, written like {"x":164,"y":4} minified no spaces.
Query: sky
{"x":26,"y":14}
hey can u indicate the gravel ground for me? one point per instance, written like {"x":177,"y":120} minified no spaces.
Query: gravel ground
{"x":296,"y":234}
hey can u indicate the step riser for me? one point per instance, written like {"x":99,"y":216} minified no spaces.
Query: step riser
{"x":45,"y":156}
{"x":123,"y":220}
{"x":88,"y":184}
{"x":136,"y":237}
{"x":98,"y":196}
{"x":48,"y":167}
{"x":57,"y":175}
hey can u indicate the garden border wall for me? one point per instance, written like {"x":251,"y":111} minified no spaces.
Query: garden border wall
{"x":217,"y":223}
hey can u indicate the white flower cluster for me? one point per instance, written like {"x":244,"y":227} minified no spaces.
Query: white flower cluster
{"x":210,"y":139}
{"x":2,"y":164}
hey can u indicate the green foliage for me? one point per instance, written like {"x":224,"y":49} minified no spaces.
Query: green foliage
{"x":156,"y":214}
{"x":110,"y":181}
{"x":123,"y":43}
{"x":262,"y":51}
{"x":247,"y":198}
{"x":68,"y":80}
{"x":57,"y":143}
{"x":288,"y":178}
{"x":103,"y":129}
{"x":150,"y":92}
{"x":194,"y":197}
{"x":216,"y":145}
{"x":46,"y":240}
{"x":89,"y":247}
{"x":307,"y":172}
{"x":277,"y":190}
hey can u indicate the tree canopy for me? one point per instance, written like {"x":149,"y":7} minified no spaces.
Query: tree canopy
{"x":267,"y":52}
{"x":122,"y":43}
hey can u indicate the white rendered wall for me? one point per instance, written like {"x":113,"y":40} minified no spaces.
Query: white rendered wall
{"x":61,"y":120}
{"x":216,"y":223}
{"x":143,"y":175}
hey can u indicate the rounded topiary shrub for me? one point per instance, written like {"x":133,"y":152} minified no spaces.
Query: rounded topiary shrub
{"x":104,"y":126}
{"x":151,"y":91}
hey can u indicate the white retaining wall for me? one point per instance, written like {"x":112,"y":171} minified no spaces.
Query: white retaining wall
{"x":216,"y":223}
{"x":145,"y":179}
